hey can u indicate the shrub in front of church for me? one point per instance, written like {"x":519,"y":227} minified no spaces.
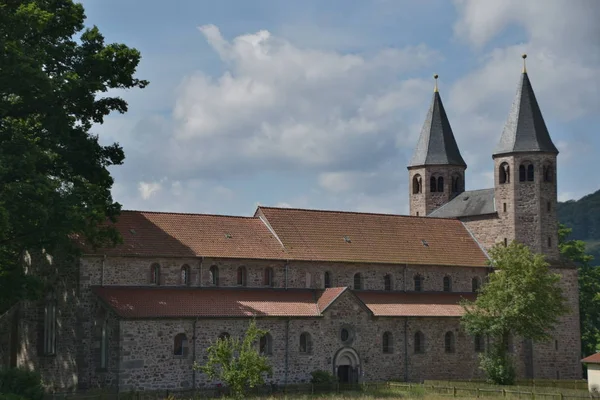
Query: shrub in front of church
{"x":237,"y":362}
{"x":20,"y":383}
{"x":320,"y":377}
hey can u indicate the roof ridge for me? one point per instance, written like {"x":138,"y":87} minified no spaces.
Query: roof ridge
{"x":190,"y":213}
{"x":351,"y":212}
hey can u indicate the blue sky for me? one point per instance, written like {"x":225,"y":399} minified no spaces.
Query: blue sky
{"x":319,"y":104}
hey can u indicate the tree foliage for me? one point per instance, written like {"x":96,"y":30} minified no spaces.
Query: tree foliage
{"x":521,"y":298}
{"x":237,"y":362}
{"x":54,"y":178}
{"x":583,"y":217}
{"x":589,"y":290}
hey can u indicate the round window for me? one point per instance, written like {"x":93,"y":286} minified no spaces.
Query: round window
{"x":345,"y":335}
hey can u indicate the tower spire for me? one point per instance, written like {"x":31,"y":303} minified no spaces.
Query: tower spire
{"x":435,"y":88}
{"x":524,"y":57}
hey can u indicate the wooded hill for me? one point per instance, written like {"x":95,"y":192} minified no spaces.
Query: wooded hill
{"x":583,"y":216}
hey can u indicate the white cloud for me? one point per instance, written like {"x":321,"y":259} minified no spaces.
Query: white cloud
{"x":148,"y":189}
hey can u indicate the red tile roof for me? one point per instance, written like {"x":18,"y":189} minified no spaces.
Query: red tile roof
{"x":414,"y":304}
{"x":192,"y":235}
{"x":379,"y":238}
{"x":164,"y":302}
{"x":327,"y":296}
{"x":172,"y":302}
{"x":593,"y":359}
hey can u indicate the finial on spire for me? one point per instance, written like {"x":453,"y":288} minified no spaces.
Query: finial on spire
{"x":435,"y":89}
{"x":524,"y":56}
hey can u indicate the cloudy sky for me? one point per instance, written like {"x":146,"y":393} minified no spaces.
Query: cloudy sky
{"x":318,"y":104}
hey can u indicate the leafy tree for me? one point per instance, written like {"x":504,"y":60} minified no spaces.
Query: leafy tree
{"x":589,"y":290}
{"x":237,"y":362}
{"x":54,"y":181}
{"x":521,"y":298}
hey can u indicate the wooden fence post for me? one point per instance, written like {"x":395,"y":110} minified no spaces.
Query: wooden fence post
{"x":453,"y":391}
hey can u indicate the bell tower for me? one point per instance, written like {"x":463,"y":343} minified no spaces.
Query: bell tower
{"x":436,"y":171}
{"x":525,"y":175}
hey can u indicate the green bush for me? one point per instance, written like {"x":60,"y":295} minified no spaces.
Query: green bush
{"x":322,"y":377}
{"x":24,"y":383}
{"x":11,"y":396}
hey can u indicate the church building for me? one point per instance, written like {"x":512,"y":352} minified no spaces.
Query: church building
{"x":368,"y":297}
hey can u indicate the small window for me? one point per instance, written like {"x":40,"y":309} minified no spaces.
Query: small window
{"x":242,"y":277}
{"x":530,"y":173}
{"x":180,"y":345}
{"x":556,"y":345}
{"x":417,"y":213}
{"x":479,"y":344}
{"x":449,"y":342}
{"x":419,"y":342}
{"x":475,"y":283}
{"x":456,"y":184}
{"x":224,"y":336}
{"x":432,"y":185}
{"x":327,"y":279}
{"x":266,"y":344}
{"x":268,"y":277}
{"x":548,"y":173}
{"x":505,"y":242}
{"x":548,"y":206}
{"x":214,"y":275}
{"x":185,"y":275}
{"x":504,"y":173}
{"x":417,"y":184}
{"x":50,"y":325}
{"x":357,"y":281}
{"x":305,"y":343}
{"x":549,"y":241}
{"x":387,"y":343}
{"x":155,"y":274}
{"x":504,"y":207}
{"x":344,"y":335}
{"x":387,"y":282}
{"x":447,"y":284}
{"x":522,"y":173}
{"x":418,"y":283}
{"x":104,"y":345}
{"x":440,"y":184}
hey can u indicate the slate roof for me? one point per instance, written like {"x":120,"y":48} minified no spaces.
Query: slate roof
{"x":469,"y":203}
{"x":525,"y":129}
{"x":177,"y":302}
{"x":319,"y":235}
{"x":436,"y":145}
{"x":593,"y":359}
{"x":193,"y":235}
{"x":414,"y":304}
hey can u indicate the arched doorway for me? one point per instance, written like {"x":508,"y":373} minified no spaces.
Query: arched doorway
{"x":347,"y":365}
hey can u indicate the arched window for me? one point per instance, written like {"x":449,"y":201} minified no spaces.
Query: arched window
{"x":432,"y":185}
{"x":180,"y":345}
{"x":522,"y":173}
{"x":49,"y":347}
{"x":530,"y":172}
{"x":185,"y":274}
{"x":479,"y":344}
{"x":419,"y":342}
{"x":327,"y":279}
{"x":440,"y":184}
{"x":224,"y":336}
{"x":242,"y":276}
{"x":268,"y":278}
{"x":357,"y":281}
{"x":305,"y":343}
{"x":416,"y":182}
{"x":548,"y":173}
{"x":504,"y":173}
{"x":456,"y":184}
{"x":266,"y":344}
{"x":104,"y":344}
{"x":447,"y":284}
{"x":449,"y":342}
{"x":475,"y":283}
{"x":418,"y":283}
{"x":155,"y":274}
{"x":387,"y":343}
{"x":214,"y":275}
{"x":387,"y":282}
